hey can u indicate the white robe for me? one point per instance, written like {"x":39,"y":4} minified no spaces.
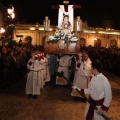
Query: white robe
{"x":40,"y":72}
{"x":29,"y":82}
{"x":36,"y":79}
{"x":82,"y":77}
{"x":47,"y":74}
{"x":33,"y":82}
{"x":77,"y":61}
{"x":63,"y":66}
{"x":42,"y":75}
{"x":99,"y":88}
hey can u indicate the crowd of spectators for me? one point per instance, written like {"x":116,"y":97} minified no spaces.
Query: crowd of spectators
{"x":110,"y":57}
{"x":13,"y":61}
{"x":13,"y":64}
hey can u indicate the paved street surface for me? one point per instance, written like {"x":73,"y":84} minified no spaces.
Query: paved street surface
{"x":54,"y":103}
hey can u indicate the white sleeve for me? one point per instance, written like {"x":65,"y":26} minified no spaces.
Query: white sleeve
{"x":108,"y":93}
{"x":87,"y":91}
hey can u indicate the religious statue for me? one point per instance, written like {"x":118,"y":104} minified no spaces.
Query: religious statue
{"x":46,"y":23}
{"x":78,"y":24}
{"x":65,"y":9}
{"x":64,"y":41}
{"x":66,"y":27}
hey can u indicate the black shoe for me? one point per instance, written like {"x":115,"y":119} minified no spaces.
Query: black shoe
{"x":55,"y":85}
{"x":83,"y":100}
{"x":34,"y":96}
{"x":64,"y":86}
{"x":77,"y":98}
{"x":29,"y":96}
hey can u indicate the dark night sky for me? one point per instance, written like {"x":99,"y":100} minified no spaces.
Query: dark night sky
{"x":94,"y":11}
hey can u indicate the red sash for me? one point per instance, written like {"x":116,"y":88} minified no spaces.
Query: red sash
{"x":90,"y":113}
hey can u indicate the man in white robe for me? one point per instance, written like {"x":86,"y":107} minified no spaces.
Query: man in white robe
{"x":47,"y":74}
{"x":36,"y":81}
{"x":63,"y":67}
{"x":99,"y":92}
{"x":83,"y":74}
{"x":29,"y":82}
{"x":33,"y":83}
{"x":41,"y":72}
{"x":77,"y":58}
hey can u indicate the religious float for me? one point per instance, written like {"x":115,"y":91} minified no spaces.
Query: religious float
{"x":62,"y":43}
{"x":64,"y":40}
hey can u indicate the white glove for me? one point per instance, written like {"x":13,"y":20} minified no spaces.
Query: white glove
{"x":100,"y":111}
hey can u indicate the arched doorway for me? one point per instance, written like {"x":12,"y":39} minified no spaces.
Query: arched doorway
{"x":81,"y":42}
{"x":97,"y":43}
{"x":27,"y":40}
{"x":44,"y":43}
{"x":113,"y":43}
{"x":44,"y":39}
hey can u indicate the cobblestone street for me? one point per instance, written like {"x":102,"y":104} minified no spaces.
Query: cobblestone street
{"x":54,"y":103}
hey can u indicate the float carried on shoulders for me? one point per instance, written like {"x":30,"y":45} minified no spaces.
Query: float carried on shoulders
{"x":64,"y":40}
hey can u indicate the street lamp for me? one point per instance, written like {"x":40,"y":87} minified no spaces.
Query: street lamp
{"x":11,"y":13}
{"x":2,"y":30}
{"x":11,"y":16}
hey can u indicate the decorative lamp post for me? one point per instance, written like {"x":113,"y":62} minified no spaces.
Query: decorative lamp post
{"x":11,"y":13}
{"x":11,"y":16}
{"x":2,"y":30}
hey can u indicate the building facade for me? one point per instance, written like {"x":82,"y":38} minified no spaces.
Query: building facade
{"x":89,"y":36}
